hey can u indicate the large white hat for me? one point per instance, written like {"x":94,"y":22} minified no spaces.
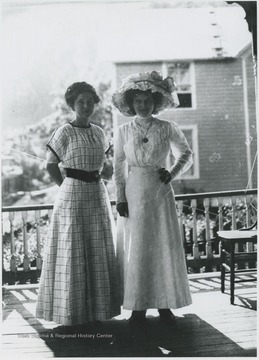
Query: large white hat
{"x":146,"y":81}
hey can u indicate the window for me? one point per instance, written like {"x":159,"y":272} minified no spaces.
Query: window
{"x":191,"y":134}
{"x":183,"y":74}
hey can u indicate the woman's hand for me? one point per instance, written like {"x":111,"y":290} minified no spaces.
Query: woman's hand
{"x":164,"y":175}
{"x":122,"y":209}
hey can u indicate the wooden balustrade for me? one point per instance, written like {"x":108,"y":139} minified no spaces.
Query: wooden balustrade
{"x":19,"y":218}
{"x":206,"y":202}
{"x":196,"y":253}
{"x":201,"y":248}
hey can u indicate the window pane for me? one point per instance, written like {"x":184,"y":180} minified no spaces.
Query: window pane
{"x":180,"y":71}
{"x":185,"y":100}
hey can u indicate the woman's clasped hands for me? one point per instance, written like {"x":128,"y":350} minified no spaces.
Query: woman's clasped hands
{"x":164,"y":175}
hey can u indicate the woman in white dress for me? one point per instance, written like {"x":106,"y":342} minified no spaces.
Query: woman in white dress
{"x":79,"y":281}
{"x":155,"y":274}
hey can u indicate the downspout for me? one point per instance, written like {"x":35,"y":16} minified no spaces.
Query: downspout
{"x":247,"y":125}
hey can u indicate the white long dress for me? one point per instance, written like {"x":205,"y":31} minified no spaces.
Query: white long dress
{"x":79,"y":280}
{"x":155,"y":274}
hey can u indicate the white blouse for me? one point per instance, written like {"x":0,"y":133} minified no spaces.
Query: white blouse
{"x":130,"y":149}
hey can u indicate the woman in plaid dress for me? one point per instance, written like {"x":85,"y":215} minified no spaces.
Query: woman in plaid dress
{"x":79,"y":276}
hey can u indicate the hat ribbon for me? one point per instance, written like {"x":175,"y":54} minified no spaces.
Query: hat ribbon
{"x":167,"y":84}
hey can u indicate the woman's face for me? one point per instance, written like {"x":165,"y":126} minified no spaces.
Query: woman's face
{"x":143,"y":104}
{"x":84,"y":105}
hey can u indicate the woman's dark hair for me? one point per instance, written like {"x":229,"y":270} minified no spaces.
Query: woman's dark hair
{"x":130,"y":94}
{"x":78,"y":88}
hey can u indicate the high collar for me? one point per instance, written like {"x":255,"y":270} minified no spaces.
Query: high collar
{"x":144,"y":122}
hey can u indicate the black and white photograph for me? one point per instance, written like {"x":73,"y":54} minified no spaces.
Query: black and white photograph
{"x":129,"y":169}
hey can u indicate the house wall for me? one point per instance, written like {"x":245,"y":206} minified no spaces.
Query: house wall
{"x":251,"y":95}
{"x":220,"y":119}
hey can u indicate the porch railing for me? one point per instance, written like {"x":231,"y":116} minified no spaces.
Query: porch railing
{"x":200,"y":216}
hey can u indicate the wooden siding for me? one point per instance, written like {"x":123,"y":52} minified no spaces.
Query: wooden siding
{"x":252,"y":115}
{"x":220,"y":126}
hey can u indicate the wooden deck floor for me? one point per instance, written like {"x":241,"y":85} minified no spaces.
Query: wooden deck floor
{"x":210,"y":327}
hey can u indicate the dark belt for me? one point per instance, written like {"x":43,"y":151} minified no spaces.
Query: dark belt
{"x":86,"y":176}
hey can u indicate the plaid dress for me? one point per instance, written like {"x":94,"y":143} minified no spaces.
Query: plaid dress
{"x":79,"y":276}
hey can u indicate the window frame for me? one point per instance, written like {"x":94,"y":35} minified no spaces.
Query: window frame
{"x":192,"y":82}
{"x":195,"y":149}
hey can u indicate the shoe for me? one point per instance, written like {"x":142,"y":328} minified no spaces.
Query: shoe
{"x":167,"y":317}
{"x":137,"y":319}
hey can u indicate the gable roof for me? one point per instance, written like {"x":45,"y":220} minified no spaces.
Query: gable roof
{"x":166,"y":34}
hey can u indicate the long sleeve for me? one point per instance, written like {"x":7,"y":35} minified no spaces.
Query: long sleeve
{"x":120,"y":166}
{"x":181,"y":152}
